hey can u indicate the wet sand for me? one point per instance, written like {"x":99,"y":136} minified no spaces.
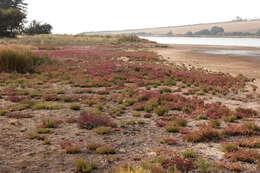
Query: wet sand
{"x":195,"y":55}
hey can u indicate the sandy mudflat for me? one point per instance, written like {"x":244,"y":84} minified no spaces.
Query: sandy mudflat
{"x":195,"y":56}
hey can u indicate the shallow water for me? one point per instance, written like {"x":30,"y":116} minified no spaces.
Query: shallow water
{"x":243,"y":42}
{"x":254,"y":53}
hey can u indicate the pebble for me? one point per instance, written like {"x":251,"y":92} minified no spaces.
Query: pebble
{"x":152,"y":154}
{"x":122,"y":150}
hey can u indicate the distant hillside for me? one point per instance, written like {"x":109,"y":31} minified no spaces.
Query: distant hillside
{"x":233,"y":26}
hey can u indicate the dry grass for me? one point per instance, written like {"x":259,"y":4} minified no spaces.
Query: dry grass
{"x":19,"y":59}
{"x":245,"y":26}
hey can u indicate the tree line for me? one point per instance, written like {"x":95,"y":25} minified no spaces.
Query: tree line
{"x":13,"y":15}
{"x":221,"y":32}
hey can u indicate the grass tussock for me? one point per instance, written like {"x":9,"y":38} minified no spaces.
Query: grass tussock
{"x":131,"y":170}
{"x":47,"y":106}
{"x":20,"y":61}
{"x":85,"y":166}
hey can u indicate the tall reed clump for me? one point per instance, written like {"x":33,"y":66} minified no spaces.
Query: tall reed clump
{"x":20,"y":61}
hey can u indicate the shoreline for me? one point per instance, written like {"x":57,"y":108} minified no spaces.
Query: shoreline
{"x":201,"y":36}
{"x":193,"y":55}
{"x":207,"y":41}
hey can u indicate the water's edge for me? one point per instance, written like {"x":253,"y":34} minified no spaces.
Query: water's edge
{"x":241,"y":42}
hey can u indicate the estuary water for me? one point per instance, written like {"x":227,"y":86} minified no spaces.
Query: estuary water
{"x":243,"y":42}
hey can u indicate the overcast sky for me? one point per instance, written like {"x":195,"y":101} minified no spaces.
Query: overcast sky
{"x":77,"y":16}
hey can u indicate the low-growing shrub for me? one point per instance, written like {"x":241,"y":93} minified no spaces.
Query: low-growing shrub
{"x":75,"y":107}
{"x":74,"y":149}
{"x":99,"y":107}
{"x":70,"y":147}
{"x":131,"y":38}
{"x":47,"y":106}
{"x":49,"y":123}
{"x":204,"y":134}
{"x":136,"y":114}
{"x":123,"y":124}
{"x":230,"y":119}
{"x":249,"y":143}
{"x":229,"y":147}
{"x":71,"y":120}
{"x":90,"y":121}
{"x":160,"y":123}
{"x":93,"y":146}
{"x":140,"y":122}
{"x":169,"y":141}
{"x":16,"y":99}
{"x":60,"y":92}
{"x":46,"y":141}
{"x":67,"y":99}
{"x":242,"y":112}
{"x":138,"y":107}
{"x":105,"y":150}
{"x":243,"y":155}
{"x":189,"y":154}
{"x":246,"y":129}
{"x":32,"y":135}
{"x":116,"y":111}
{"x":177,"y":163}
{"x":148,"y":115}
{"x":3,"y":112}
{"x":103,"y":130}
{"x":172,"y":127}
{"x":161,"y":111}
{"x":85,"y":166}
{"x":18,"y":115}
{"x":215,"y":123}
{"x":236,"y":167}
{"x":131,"y":122}
{"x":203,"y":166}
{"x":127,"y":168}
{"x":180,"y":122}
{"x":51,"y":97}
{"x":42,"y":130}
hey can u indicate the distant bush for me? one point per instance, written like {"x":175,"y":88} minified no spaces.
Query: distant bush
{"x":216,"y":30}
{"x":170,"y":33}
{"x":131,"y":38}
{"x":189,"y":33}
{"x":20,"y":61}
{"x":38,"y":28}
{"x":238,"y":34}
{"x":258,"y":32}
{"x":203,"y":32}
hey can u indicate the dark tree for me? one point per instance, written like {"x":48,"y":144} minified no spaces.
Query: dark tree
{"x":203,"y":32}
{"x":16,"y":4}
{"x":38,"y":28}
{"x":216,"y":30}
{"x":258,"y":32}
{"x":170,"y":33}
{"x":189,"y":33}
{"x":11,"y":22}
{"x":12,"y":17}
